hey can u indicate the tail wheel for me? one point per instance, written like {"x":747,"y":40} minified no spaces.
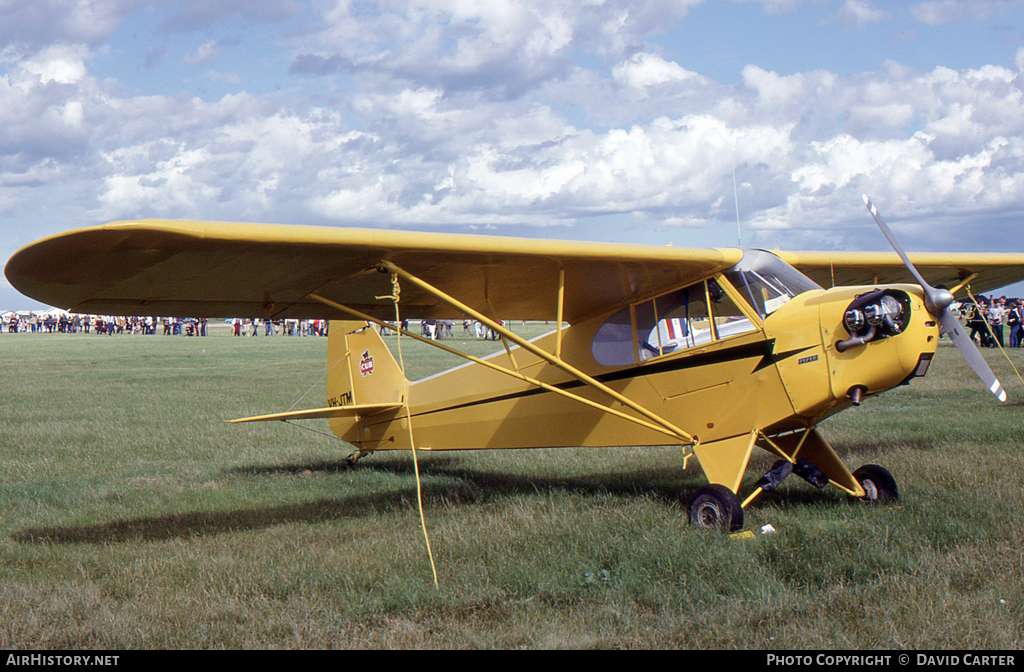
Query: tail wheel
{"x":716,"y":507}
{"x":879,"y":485}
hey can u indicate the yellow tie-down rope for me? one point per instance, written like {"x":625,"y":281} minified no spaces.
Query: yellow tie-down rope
{"x":396,"y":293}
{"x":991,"y":335}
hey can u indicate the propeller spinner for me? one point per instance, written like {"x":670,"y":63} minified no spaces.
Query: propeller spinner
{"x":938,"y":301}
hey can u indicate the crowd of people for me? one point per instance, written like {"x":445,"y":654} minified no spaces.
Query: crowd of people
{"x":992,"y":322}
{"x":241,"y":327}
{"x":992,"y":319}
{"x":437,"y":330}
{"x":70,"y":323}
{"x":67,"y":323}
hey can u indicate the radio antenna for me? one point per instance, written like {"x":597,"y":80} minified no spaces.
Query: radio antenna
{"x":736,"y":200}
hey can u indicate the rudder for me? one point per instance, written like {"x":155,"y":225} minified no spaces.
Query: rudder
{"x":369,"y":373}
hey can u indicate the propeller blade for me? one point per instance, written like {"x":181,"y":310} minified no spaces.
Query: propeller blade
{"x":892,"y":241}
{"x":952,"y":327}
{"x":938,"y":301}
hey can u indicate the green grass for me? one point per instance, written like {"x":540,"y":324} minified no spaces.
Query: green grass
{"x":134,"y":518}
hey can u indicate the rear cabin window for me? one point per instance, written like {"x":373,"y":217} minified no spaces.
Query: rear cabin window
{"x":669,"y":323}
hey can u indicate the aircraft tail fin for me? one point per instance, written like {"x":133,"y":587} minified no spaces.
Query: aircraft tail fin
{"x":361,"y":371}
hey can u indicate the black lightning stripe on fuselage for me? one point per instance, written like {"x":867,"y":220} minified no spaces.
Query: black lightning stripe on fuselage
{"x":762,"y":349}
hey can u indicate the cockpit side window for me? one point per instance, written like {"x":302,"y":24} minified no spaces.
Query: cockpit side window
{"x":675,"y":321}
{"x":669,"y":323}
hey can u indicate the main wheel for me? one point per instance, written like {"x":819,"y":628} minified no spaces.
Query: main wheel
{"x":879,"y":485}
{"x":716,"y":507}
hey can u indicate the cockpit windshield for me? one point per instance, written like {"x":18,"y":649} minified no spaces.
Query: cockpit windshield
{"x":767,"y":281}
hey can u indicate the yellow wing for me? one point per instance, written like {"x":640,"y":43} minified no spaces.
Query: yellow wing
{"x":210,"y":269}
{"x":206,"y":269}
{"x":984,"y":272}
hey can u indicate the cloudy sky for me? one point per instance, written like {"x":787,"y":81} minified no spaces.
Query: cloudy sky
{"x":612,"y":120}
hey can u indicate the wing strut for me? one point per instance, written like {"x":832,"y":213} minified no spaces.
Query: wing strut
{"x":530,"y":347}
{"x":560,"y":312}
{"x":657,"y":423}
{"x":491,"y":365}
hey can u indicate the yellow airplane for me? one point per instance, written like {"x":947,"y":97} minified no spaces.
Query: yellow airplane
{"x":720,"y":351}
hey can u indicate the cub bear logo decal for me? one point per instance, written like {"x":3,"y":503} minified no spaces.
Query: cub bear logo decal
{"x":365,"y":364}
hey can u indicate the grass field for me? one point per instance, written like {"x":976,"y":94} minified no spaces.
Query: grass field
{"x":134,"y":518}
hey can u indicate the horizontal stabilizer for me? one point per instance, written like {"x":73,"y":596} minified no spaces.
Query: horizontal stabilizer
{"x":331,"y":412}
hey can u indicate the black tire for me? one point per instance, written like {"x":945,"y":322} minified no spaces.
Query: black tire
{"x":878,"y":483}
{"x":716,"y":507}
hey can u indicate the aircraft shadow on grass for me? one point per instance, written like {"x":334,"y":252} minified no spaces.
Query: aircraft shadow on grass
{"x":464,"y":485}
